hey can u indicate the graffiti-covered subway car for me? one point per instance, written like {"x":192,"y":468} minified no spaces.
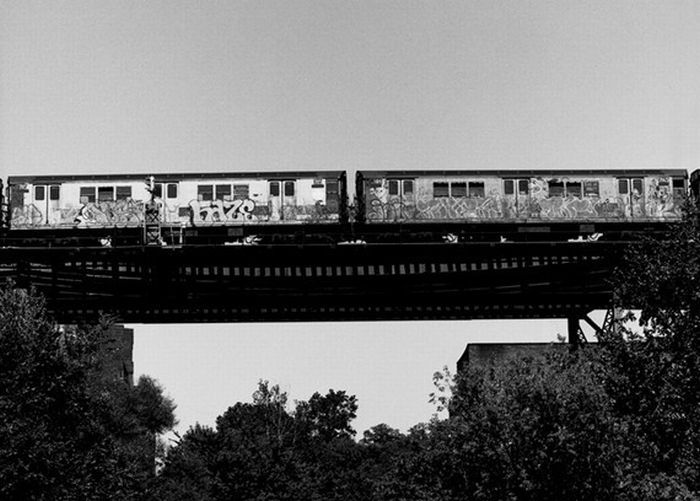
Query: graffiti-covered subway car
{"x":520,"y":196}
{"x":221,"y":199}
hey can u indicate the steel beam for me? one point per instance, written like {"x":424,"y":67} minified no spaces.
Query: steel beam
{"x":317,"y":282}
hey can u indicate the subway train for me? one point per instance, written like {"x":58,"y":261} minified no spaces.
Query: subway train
{"x":315,"y":201}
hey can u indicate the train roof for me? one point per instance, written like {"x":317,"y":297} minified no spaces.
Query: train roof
{"x":373,"y":174}
{"x":173,"y":177}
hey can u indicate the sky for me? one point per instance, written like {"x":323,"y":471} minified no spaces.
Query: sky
{"x":213,"y":86}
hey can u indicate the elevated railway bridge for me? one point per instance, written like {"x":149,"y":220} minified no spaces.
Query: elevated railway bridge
{"x":409,"y":273}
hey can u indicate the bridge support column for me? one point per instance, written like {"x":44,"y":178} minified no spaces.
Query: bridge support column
{"x":574,"y":331}
{"x":613,"y":319}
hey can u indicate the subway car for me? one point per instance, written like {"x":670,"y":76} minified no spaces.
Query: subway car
{"x":189,"y":200}
{"x":526,"y":196}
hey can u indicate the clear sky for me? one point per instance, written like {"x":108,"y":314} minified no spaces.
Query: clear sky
{"x":178,"y":86}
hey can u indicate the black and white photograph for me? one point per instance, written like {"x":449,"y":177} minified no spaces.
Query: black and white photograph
{"x":350,"y":250}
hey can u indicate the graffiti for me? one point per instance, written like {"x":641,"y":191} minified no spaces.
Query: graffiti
{"x":108,"y":213}
{"x":660,"y":201}
{"x":27,"y":215}
{"x":614,"y":209}
{"x":223,"y":211}
{"x":495,"y":207}
{"x":220,"y":211}
{"x":261,"y":212}
{"x":538,"y":188}
{"x":393,"y":210}
{"x":309,"y":213}
{"x":397,"y":208}
{"x":458,"y":208}
{"x":566,"y":208}
{"x":622,"y":207}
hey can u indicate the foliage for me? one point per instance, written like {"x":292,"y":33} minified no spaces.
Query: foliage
{"x":536,"y":428}
{"x":261,"y":450}
{"x":654,"y":365}
{"x":66,"y":430}
{"x":328,"y":417}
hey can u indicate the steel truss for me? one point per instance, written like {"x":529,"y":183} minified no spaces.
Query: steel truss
{"x":319,"y":282}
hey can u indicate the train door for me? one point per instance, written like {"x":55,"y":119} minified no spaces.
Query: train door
{"x":283,"y":200}
{"x":631,"y":192}
{"x":171,"y":207}
{"x":289,"y":200}
{"x":275,"y":200}
{"x":46,"y":198}
{"x":408,"y":198}
{"x":401,"y":198}
{"x":332,"y":195}
{"x":679,"y":189}
{"x":517,"y":193}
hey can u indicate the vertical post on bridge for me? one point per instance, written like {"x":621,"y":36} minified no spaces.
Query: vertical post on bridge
{"x":573,"y":328}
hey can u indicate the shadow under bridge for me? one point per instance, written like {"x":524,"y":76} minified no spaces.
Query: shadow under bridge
{"x":282,"y":283}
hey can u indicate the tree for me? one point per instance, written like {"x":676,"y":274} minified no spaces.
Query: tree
{"x":329,"y":416}
{"x":535,"y":428}
{"x":189,"y":473}
{"x":262,"y":450}
{"x":64,"y":432}
{"x":654,"y":364}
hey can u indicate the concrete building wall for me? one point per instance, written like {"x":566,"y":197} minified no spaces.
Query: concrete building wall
{"x":117,"y":353}
{"x":480,"y":354}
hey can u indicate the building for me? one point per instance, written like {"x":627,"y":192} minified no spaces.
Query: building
{"x":481,"y":354}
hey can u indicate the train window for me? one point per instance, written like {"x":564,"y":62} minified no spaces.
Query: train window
{"x":205,"y":192}
{"x":407,"y":186}
{"x":573,"y":189}
{"x":591,"y":188}
{"x":241,"y":191}
{"x":54,"y":192}
{"x":556,"y":189}
{"x":274,"y":188}
{"x":678,"y":187}
{"x":289,"y":188}
{"x":458,"y":189}
{"x":623,"y":186}
{"x":523,"y":187}
{"x":441,"y":190}
{"x":39,"y":193}
{"x":637,"y":186}
{"x":105,"y":193}
{"x":508,"y":187}
{"x":477,"y":190}
{"x":158,"y":190}
{"x":393,"y":187}
{"x":223,"y":192}
{"x":331,"y":187}
{"x":332,"y":192}
{"x":87,"y":194}
{"x":123,"y":192}
{"x":172,"y":190}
